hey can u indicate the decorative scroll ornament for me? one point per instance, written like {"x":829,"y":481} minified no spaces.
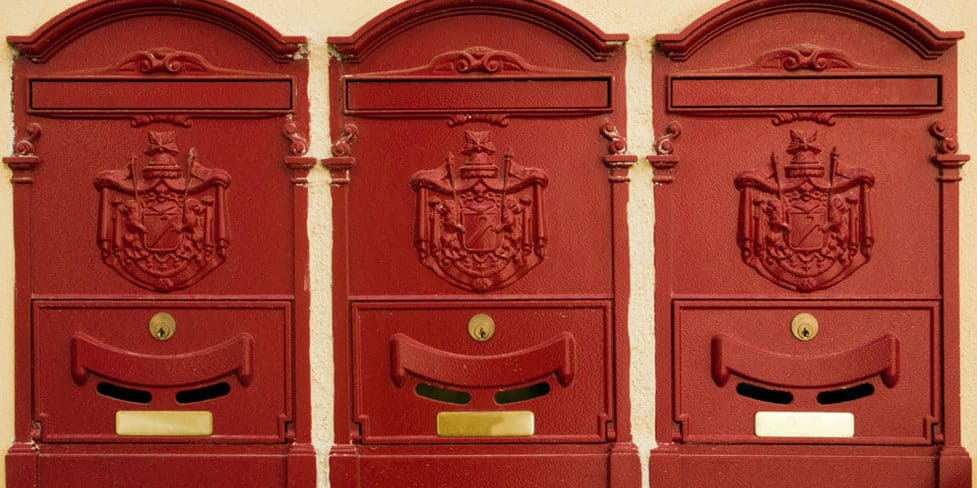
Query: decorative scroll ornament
{"x":479,"y":59}
{"x":342,"y":148}
{"x":298,"y":145}
{"x":800,"y":228}
{"x":617,"y":143}
{"x":165,"y":60}
{"x":805,"y":57}
{"x":165,"y":227}
{"x":480,"y":227}
{"x":25,"y":146}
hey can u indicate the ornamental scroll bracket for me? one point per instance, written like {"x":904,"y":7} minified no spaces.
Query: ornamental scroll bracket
{"x":946,"y":157}
{"x":480,"y":226}
{"x":616,"y":160}
{"x":24,"y":161}
{"x":665,"y":160}
{"x":342,"y":159}
{"x":296,"y":161}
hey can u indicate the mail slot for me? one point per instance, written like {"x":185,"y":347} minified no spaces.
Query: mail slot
{"x":859,"y":363}
{"x":223,"y":358}
{"x":480,"y":318}
{"x":532,"y":362}
{"x":806,"y":321}
{"x":155,"y":176}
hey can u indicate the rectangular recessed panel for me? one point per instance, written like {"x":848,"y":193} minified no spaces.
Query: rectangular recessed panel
{"x":163,"y":423}
{"x":226,"y":95}
{"x":727,"y":92}
{"x":503,"y":95}
{"x":486,"y":424}
{"x":804,"y":424}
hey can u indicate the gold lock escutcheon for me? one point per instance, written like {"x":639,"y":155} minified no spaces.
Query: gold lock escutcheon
{"x":162,"y":326}
{"x":804,"y":327}
{"x":481,"y":327}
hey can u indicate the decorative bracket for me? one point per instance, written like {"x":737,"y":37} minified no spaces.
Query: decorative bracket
{"x":342,"y":160}
{"x":296,"y":161}
{"x":24,"y":160}
{"x":665,"y":161}
{"x":616,"y":160}
{"x":946,"y":157}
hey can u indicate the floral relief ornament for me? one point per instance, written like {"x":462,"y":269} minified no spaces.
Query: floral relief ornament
{"x":163,"y":227}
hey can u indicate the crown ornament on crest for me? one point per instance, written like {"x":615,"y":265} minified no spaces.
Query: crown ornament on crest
{"x":804,"y":152}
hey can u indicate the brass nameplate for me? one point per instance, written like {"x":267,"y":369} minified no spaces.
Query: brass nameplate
{"x":804,"y":424}
{"x":486,"y":424}
{"x":164,"y":423}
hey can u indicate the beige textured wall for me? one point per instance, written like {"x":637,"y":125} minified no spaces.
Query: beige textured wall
{"x":642,"y":19}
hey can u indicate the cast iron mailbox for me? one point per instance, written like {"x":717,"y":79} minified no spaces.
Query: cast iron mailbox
{"x":480,"y":249}
{"x":158,"y":173}
{"x":806,"y":248}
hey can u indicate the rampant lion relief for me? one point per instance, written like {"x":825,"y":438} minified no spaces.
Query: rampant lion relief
{"x":164,"y":227}
{"x":800,"y":226}
{"x":480,"y":227}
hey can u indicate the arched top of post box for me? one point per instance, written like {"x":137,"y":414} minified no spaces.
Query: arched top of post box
{"x":886,"y":15}
{"x":407,"y":15}
{"x":82,"y":18}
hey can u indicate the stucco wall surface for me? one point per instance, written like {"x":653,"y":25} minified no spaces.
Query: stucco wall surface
{"x":642,"y":19}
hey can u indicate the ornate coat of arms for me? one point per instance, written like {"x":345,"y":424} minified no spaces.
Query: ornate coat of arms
{"x":800,"y":226}
{"x":164,"y":227}
{"x":480,"y":226}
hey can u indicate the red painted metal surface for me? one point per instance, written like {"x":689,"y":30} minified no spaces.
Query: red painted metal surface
{"x":160,"y":173}
{"x":477,"y":169}
{"x":807,"y":164}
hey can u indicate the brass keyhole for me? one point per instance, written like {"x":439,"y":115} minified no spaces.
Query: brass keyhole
{"x":481,"y":327}
{"x":162,"y":326}
{"x":804,"y":327}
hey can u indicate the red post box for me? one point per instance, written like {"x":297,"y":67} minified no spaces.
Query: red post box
{"x":158,"y":174}
{"x":479,"y":185}
{"x":806,"y":248}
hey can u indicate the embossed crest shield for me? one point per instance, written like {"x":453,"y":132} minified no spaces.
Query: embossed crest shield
{"x":480,"y":226}
{"x":164,"y":227}
{"x":803,"y":227}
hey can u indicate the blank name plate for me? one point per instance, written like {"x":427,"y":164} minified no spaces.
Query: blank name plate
{"x":486,"y":424}
{"x":164,"y":423}
{"x":804,"y":424}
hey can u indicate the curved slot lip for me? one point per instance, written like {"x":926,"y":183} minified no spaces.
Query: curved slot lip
{"x":91,"y":356}
{"x":879,"y":357}
{"x":553,"y":356}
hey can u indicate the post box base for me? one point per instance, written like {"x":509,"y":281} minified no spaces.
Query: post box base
{"x":485,"y":466}
{"x":781,"y":466}
{"x":160,"y":465}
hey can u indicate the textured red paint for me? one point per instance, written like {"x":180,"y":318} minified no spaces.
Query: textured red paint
{"x":787,"y":185}
{"x":134,"y":196}
{"x":477,"y":169}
